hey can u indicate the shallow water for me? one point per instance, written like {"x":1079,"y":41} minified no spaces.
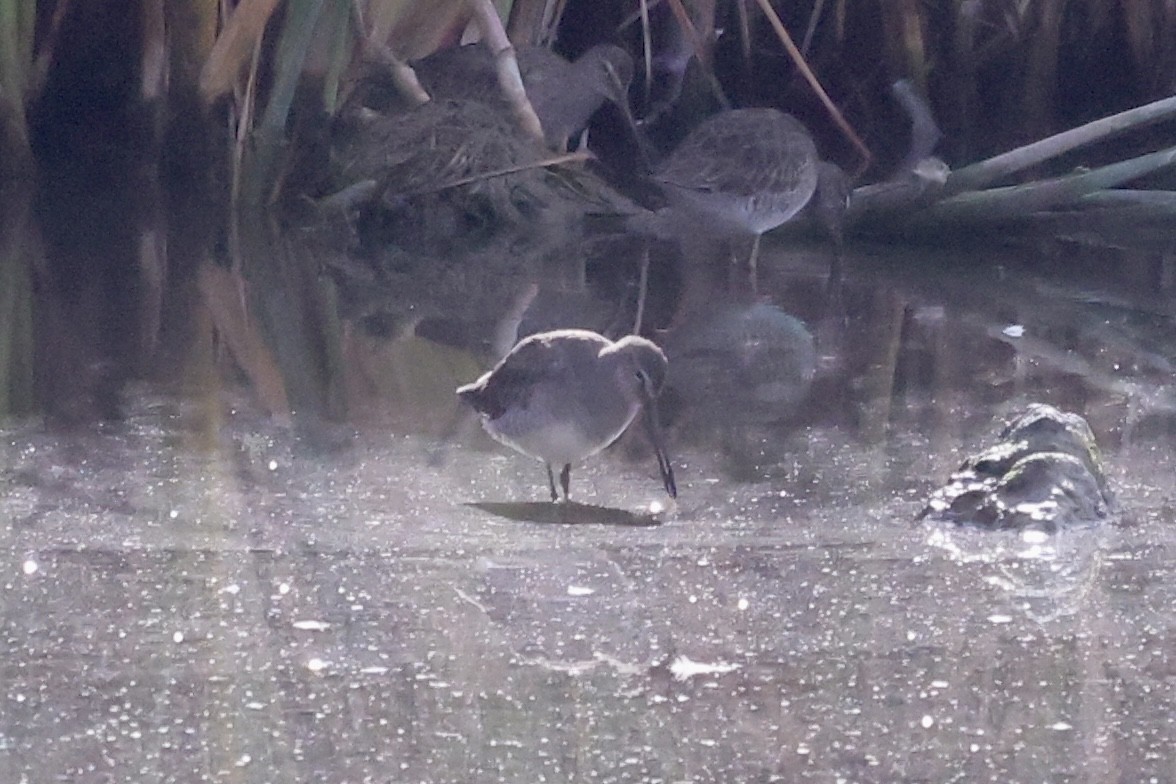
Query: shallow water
{"x":247,"y":536}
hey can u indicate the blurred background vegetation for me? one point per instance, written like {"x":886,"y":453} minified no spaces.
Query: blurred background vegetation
{"x":130,"y":131}
{"x":222,"y":95}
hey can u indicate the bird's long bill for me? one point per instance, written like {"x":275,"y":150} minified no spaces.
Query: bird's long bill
{"x":653,"y":430}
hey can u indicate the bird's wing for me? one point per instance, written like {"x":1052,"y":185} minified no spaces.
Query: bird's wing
{"x":741,"y":155}
{"x":528,"y":367}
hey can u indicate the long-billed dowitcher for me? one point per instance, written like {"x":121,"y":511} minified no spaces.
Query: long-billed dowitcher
{"x":747,"y":170}
{"x":564,"y":94}
{"x":563,"y":396}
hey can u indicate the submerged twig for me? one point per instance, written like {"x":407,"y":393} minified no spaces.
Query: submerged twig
{"x":988,"y":171}
{"x":1159,"y":201}
{"x":642,"y":289}
{"x":1013,"y":201}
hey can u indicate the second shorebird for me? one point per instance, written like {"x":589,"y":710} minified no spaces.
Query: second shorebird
{"x":565,"y":395}
{"x":564,"y":94}
{"x":746,"y":170}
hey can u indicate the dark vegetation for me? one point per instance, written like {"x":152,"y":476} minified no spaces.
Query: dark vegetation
{"x":175,"y":89}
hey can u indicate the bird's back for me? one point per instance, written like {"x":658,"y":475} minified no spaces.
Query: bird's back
{"x":540,"y":366}
{"x":563,"y":94}
{"x":760,"y":162}
{"x":554,"y":396}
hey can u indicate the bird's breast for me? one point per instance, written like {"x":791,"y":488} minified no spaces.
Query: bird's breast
{"x":559,"y":440}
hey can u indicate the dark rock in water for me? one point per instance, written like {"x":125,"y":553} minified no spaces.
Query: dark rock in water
{"x":1044,"y":473}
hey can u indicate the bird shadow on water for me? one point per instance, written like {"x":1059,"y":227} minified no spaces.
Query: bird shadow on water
{"x":569,"y":513}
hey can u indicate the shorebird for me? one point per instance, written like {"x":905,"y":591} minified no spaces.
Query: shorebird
{"x":746,"y":170}
{"x":564,"y":94}
{"x":563,"y":396}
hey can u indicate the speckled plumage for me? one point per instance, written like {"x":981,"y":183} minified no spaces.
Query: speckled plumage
{"x":751,"y":169}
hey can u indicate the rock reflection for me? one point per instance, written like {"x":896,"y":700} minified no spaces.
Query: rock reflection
{"x":1043,"y":579}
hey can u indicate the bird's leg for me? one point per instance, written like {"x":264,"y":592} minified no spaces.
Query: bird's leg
{"x":565,"y":478}
{"x":642,"y":288}
{"x":751,"y":264}
{"x":551,"y":483}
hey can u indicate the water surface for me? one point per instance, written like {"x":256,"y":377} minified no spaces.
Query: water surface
{"x":248,"y":537}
